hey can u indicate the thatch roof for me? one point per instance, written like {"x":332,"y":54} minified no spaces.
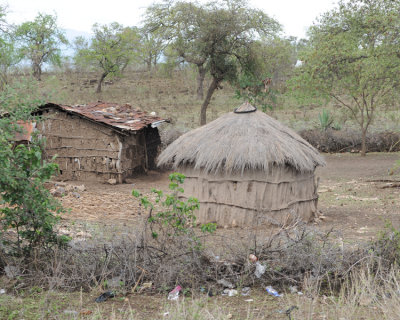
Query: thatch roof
{"x":239,"y":141}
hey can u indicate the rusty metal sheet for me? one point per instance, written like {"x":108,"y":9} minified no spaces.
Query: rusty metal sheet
{"x":28,"y":127}
{"x":121,"y":117}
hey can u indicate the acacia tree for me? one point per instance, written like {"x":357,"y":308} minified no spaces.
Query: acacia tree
{"x":353,"y":57}
{"x":40,"y":42}
{"x":215,"y":37}
{"x":183,"y":26}
{"x":150,"y":48}
{"x":9,"y":56}
{"x":110,"y":50}
{"x":263,"y":77}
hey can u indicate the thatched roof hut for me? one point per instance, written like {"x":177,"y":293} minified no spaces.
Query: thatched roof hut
{"x":246,"y":168}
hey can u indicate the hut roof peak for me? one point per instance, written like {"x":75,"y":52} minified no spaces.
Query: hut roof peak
{"x":245,"y":108}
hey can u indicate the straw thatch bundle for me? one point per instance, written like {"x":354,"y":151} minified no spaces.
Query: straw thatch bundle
{"x":246,"y":168}
{"x":241,"y":141}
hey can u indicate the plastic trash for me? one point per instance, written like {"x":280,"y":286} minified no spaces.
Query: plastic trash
{"x":2,"y":291}
{"x":245,"y":291}
{"x":260,"y":270}
{"x":225,"y":283}
{"x":174,"y":294}
{"x":273,"y":292}
{"x":105,"y":296}
{"x":253,"y":258}
{"x":249,"y":300}
{"x":293,"y":289}
{"x":230,"y":292}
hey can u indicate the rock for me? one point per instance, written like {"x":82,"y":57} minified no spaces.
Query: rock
{"x":76,"y":195}
{"x":11,"y":271}
{"x":80,"y":188}
{"x":112,"y":181}
{"x":57,"y":192}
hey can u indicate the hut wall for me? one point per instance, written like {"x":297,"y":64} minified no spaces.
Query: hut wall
{"x":89,"y":151}
{"x":253,"y":198}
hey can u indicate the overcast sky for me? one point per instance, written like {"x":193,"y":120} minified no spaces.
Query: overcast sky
{"x":80,"y":15}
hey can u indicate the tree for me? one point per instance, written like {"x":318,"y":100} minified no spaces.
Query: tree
{"x":353,"y":57}
{"x":150,"y":47}
{"x":110,"y":50}
{"x":28,"y":211}
{"x":40,"y":42}
{"x":215,"y":37}
{"x":9,"y":56}
{"x":270,"y":64}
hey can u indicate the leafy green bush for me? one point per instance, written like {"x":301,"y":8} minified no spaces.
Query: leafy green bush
{"x":170,"y":217}
{"x":28,"y":211}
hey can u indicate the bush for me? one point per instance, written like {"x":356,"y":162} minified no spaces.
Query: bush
{"x":350,"y":140}
{"x":28,"y":211}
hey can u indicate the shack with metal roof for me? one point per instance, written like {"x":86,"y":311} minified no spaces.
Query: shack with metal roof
{"x":100,"y":141}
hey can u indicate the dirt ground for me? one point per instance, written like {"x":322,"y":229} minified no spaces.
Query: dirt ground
{"x":356,"y":196}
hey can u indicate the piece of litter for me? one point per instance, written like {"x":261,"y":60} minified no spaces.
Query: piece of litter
{"x":225,"y":283}
{"x":260,"y":269}
{"x":105,"y":296}
{"x":166,"y":314}
{"x":293,"y":289}
{"x":249,"y":300}
{"x":245,"y":291}
{"x":174,"y":294}
{"x":273,"y":292}
{"x":229,"y":292}
{"x":2,"y":291}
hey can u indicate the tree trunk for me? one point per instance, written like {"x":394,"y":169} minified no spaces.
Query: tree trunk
{"x":200,"y":81}
{"x":103,"y":76}
{"x":363,"y":142}
{"x":210,"y":91}
{"x":37,"y":71}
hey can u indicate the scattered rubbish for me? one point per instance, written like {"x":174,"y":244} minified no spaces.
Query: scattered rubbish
{"x":293,"y":289}
{"x":71,"y":312}
{"x":260,"y":270}
{"x":2,"y":291}
{"x":245,"y":291}
{"x":225,"y":283}
{"x":273,"y":292}
{"x":166,"y":314}
{"x":253,"y":258}
{"x":249,"y":300}
{"x":230,"y":292}
{"x":300,"y":293}
{"x":174,"y":294}
{"x":85,"y":312}
{"x":105,"y":296}
{"x":229,"y":316}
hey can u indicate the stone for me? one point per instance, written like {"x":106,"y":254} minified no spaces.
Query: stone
{"x":112,"y":181}
{"x":57,"y":192}
{"x":80,"y":188}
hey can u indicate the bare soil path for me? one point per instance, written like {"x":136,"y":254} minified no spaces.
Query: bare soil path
{"x":356,"y":197}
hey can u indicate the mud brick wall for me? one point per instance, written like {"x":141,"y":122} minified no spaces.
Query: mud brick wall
{"x":90,"y":151}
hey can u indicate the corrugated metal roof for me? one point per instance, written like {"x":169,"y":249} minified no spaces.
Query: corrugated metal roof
{"x":121,"y":117}
{"x":27,"y":129}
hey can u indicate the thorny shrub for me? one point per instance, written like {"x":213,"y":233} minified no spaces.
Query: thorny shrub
{"x":28,"y":212}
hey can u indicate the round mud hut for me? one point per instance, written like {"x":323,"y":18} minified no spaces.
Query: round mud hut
{"x":247,"y":169}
